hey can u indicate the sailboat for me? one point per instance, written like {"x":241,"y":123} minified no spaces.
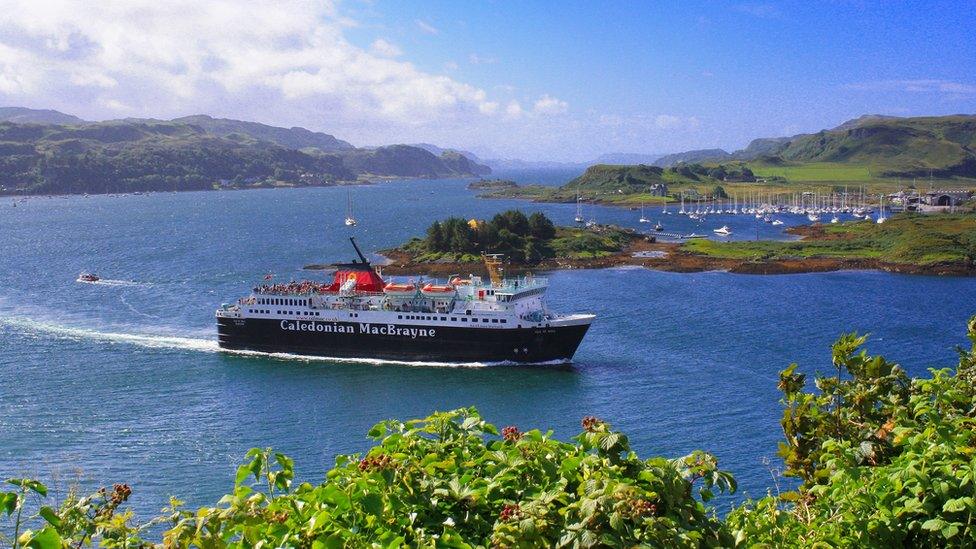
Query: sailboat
{"x":350,"y":220}
{"x":881,"y":215}
{"x":642,"y":218}
{"x":579,"y":208}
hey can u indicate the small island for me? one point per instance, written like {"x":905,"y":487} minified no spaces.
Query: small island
{"x":531,"y":242}
{"x":906,"y":243}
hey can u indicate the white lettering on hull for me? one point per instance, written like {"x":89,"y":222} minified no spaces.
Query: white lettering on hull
{"x":364,"y":328}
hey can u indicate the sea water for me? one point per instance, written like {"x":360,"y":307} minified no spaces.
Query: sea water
{"x":122,"y":381}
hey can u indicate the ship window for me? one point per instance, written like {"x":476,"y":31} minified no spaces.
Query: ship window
{"x":400,"y":317}
{"x":443,"y":318}
{"x":504,"y":321}
{"x":494,"y":321}
{"x":464,"y":320}
{"x":453,"y":319}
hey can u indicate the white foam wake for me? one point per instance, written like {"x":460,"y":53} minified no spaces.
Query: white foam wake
{"x":34,"y":327}
{"x":30,"y":326}
{"x":110,"y":282}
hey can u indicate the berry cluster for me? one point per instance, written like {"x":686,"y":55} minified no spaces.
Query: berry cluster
{"x":280,"y":517}
{"x":590,"y":423}
{"x":120,"y":493}
{"x":511,"y":434}
{"x":375,"y":463}
{"x":511,"y":511}
{"x":638,"y":508}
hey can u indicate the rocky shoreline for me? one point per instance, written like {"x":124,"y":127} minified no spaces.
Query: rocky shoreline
{"x":668,"y":256}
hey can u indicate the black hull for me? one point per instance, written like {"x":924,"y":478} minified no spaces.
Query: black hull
{"x":441,"y":343}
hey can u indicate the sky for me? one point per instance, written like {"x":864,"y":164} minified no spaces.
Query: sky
{"x":559,"y":81}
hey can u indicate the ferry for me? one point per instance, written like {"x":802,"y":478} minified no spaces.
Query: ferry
{"x":359,"y":315}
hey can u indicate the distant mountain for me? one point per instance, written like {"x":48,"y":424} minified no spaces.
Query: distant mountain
{"x":763,"y":146}
{"x":863,"y":119}
{"x":627,"y":158}
{"x":514,"y":164}
{"x":193,"y":153}
{"x":291,"y":138}
{"x":941,"y":145}
{"x":690,"y":157}
{"x":610,"y":178}
{"x":438,"y":151}
{"x":23,"y":115}
{"x":410,"y":161}
{"x":125,"y":157}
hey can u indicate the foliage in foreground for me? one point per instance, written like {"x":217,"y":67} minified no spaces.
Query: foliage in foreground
{"x":883,"y":460}
{"x":448,"y":480}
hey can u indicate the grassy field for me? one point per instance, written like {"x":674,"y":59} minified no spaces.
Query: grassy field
{"x":816,"y":172}
{"x":905,"y":238}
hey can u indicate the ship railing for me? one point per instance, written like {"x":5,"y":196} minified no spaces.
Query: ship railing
{"x":512,"y":285}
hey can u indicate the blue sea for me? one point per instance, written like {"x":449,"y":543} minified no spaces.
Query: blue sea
{"x":122,"y":381}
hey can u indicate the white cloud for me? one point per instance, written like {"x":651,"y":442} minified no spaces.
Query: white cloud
{"x":929,"y":85}
{"x":285,"y":62}
{"x":426,"y":27}
{"x":550,"y":105}
{"x":385,"y":49}
{"x":513,"y":109}
{"x":667,"y":121}
{"x":476,"y":59}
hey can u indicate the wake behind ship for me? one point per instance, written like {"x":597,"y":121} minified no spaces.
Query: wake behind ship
{"x":359,"y":315}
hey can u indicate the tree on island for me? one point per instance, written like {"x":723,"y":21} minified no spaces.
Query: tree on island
{"x":523,"y":239}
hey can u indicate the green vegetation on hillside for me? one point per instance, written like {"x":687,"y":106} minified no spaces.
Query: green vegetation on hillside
{"x":883,"y":460}
{"x":520,"y":238}
{"x":631,"y":185}
{"x":904,"y":238}
{"x":196,"y":153}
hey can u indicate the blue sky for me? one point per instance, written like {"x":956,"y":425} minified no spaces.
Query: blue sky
{"x":535,"y":80}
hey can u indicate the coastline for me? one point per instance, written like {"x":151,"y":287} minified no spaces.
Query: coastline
{"x":671,"y":257}
{"x":371,"y":180}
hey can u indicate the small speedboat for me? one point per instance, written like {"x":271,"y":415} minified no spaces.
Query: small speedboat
{"x":658,"y":227}
{"x":777,"y":222}
{"x":88,"y":277}
{"x":724,"y":230}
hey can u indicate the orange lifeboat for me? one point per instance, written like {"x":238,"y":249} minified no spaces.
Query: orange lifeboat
{"x":437,"y":290}
{"x":400,"y":290}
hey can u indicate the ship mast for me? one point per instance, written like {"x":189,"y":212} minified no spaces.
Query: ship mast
{"x":493,"y":263}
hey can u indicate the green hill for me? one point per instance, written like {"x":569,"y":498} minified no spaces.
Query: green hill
{"x":409,"y":161}
{"x":23,"y":115}
{"x":869,"y":147}
{"x":897,"y":147}
{"x":124,"y":157}
{"x":193,"y":153}
{"x":291,"y":138}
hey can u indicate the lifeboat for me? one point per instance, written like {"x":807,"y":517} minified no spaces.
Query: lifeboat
{"x":437,"y":290}
{"x":458,"y":281}
{"x":400,"y":290}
